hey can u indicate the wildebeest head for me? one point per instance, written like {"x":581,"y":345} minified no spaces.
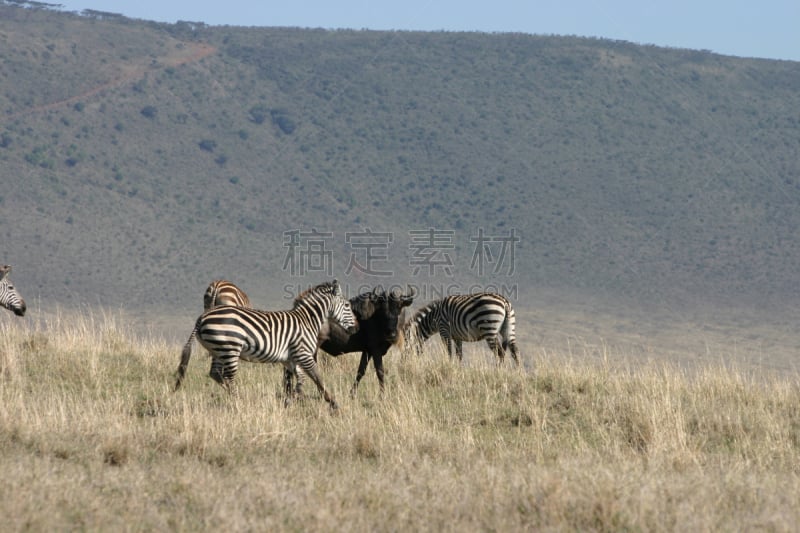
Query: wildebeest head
{"x":380,"y":318}
{"x":383,"y":311}
{"x":396,"y":304}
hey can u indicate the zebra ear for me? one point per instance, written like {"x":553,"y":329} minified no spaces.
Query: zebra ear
{"x":5,"y":270}
{"x":336,"y":289}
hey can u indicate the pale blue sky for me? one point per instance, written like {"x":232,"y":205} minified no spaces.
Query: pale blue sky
{"x":765,"y":28}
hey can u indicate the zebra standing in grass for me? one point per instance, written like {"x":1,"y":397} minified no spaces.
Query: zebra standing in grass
{"x":287,"y":337}
{"x":222,"y":292}
{"x":468,"y":317}
{"x":9,"y":297}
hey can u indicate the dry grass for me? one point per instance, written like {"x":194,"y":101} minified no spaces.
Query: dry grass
{"x":93,"y":438}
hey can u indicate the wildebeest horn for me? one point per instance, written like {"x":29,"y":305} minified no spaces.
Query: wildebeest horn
{"x":409,"y":298}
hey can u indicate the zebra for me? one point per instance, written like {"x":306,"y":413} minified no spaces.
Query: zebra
{"x":289,"y":337}
{"x":467,"y":317}
{"x":222,"y":292}
{"x":9,"y":297}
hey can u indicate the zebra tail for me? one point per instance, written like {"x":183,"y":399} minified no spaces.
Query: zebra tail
{"x":210,"y":300}
{"x":507,"y":330}
{"x":186,"y":354}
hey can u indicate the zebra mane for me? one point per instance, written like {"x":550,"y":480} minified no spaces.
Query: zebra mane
{"x":422,"y":312}
{"x":214,"y":290}
{"x":329,"y":287}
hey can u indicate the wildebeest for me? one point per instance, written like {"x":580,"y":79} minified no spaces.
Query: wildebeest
{"x":380,"y":315}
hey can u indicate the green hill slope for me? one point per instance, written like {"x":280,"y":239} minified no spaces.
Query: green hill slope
{"x":141,"y":160}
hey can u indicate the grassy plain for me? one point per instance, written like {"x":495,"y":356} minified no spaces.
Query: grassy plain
{"x":94,"y":439}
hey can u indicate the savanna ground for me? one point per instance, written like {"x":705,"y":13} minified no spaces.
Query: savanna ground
{"x":93,"y":438}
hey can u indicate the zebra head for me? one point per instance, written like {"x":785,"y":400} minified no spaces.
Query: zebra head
{"x":9,"y":297}
{"x":422,"y":324}
{"x":326,"y":300}
{"x":340,"y":309}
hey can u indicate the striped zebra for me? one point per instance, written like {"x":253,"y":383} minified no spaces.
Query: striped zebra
{"x":287,"y":337}
{"x":468,"y":317}
{"x":9,"y":297}
{"x":222,"y":292}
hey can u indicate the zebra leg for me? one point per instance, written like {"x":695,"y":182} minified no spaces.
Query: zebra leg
{"x":449,"y":343}
{"x":459,"y":351}
{"x":362,"y":369}
{"x":514,"y":351}
{"x":292,"y":392}
{"x":288,"y":375}
{"x":309,"y":366}
{"x":496,"y":348}
{"x":223,"y":370}
{"x":216,"y":371}
{"x":298,"y":389}
{"x":289,"y":372}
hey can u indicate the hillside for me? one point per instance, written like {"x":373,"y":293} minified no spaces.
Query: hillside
{"x":141,"y":160}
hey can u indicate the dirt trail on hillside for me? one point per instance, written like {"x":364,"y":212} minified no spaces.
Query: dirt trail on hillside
{"x":191,"y":53}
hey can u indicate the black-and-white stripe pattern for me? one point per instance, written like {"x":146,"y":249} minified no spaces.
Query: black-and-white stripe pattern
{"x":287,"y":337}
{"x":468,"y":317}
{"x":9,"y":297}
{"x":222,"y":292}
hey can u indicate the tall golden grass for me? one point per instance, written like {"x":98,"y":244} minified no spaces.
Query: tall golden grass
{"x":93,"y":438}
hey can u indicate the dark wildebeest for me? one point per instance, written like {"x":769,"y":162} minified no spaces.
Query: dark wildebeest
{"x":380,"y":316}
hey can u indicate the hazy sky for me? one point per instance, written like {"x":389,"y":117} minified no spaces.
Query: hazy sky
{"x":748,"y":28}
